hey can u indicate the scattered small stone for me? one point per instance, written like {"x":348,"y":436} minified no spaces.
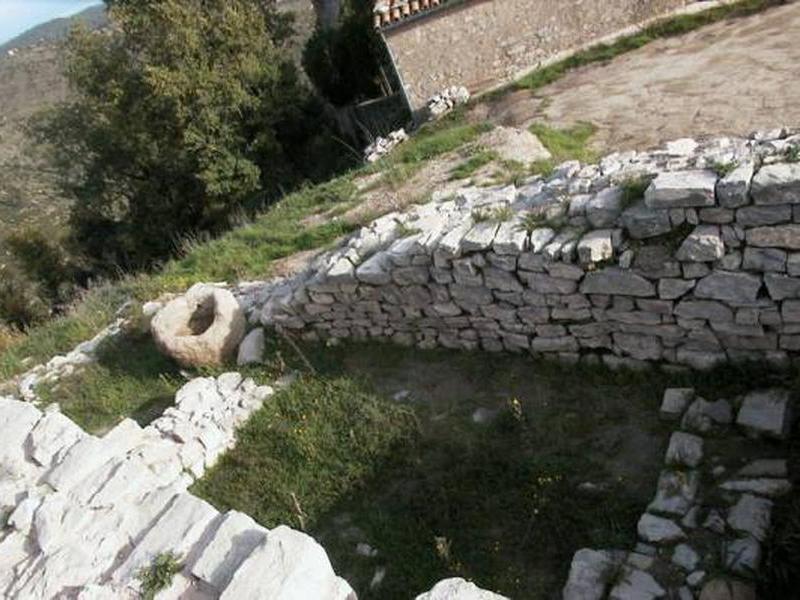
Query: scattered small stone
{"x":635,"y":584}
{"x":743,"y":555}
{"x":703,"y":416}
{"x":765,"y":467}
{"x":685,"y":557}
{"x":675,"y":402}
{"x":589,"y":574}
{"x":771,"y":488}
{"x":684,"y":449}
{"x":714,"y":522}
{"x":364,"y":549}
{"x":676,"y":492}
{"x":695,"y":579}
{"x":377,"y":578}
{"x":659,"y":530}
{"x":751,"y":515}
{"x":766,"y":412}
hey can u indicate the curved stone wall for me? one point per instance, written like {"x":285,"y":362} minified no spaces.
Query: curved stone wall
{"x":689,"y":255}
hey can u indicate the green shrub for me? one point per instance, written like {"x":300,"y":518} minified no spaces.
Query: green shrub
{"x":22,"y":302}
{"x":176,"y":125}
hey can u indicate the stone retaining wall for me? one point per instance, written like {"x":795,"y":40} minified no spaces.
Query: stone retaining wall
{"x":480,"y":43}
{"x":704,"y":266}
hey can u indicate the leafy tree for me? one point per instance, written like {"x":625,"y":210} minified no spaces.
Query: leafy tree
{"x":342,"y":62}
{"x":175,"y":126}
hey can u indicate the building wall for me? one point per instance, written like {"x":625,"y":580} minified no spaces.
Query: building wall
{"x":481,"y":43}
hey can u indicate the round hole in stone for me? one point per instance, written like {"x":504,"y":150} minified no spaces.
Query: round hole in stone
{"x":201,"y":318}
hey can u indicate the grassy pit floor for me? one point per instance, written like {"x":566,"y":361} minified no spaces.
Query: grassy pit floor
{"x":380,"y":447}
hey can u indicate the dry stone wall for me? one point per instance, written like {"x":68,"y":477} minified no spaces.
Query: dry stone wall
{"x":701,"y":268}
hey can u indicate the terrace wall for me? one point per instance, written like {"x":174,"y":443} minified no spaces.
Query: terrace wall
{"x":705,"y":267}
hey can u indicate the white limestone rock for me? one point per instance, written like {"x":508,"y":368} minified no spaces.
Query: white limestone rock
{"x":234,"y":540}
{"x":458,"y":589}
{"x":777,"y":184}
{"x":289,"y":566}
{"x":178,"y":530}
{"x":52,"y":436}
{"x":682,"y":189}
{"x":771,"y":488}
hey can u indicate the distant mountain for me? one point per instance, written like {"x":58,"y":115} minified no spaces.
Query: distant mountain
{"x":94,"y":17}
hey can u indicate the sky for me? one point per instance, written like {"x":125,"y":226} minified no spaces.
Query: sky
{"x":17,"y":16}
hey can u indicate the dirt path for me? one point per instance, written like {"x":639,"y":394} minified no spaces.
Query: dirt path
{"x":728,"y":78}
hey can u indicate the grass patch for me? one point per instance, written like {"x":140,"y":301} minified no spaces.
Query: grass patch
{"x":309,"y":445}
{"x":130,"y":379}
{"x":475,"y":162}
{"x":499,"y":214}
{"x":670,"y":27}
{"x":435,"y":493}
{"x":570,"y":143}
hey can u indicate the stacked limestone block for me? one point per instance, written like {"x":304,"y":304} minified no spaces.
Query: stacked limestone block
{"x":84,"y":515}
{"x":712,"y":508}
{"x":702,"y":269}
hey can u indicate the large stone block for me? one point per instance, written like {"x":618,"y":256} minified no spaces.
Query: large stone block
{"x":777,"y":236}
{"x":766,"y":412}
{"x":617,"y":282}
{"x":682,"y":189}
{"x":733,"y":190}
{"x":642,"y":222}
{"x":777,"y":184}
{"x":781,"y":287}
{"x":729,"y":286}
{"x":704,"y":244}
{"x":758,"y":216}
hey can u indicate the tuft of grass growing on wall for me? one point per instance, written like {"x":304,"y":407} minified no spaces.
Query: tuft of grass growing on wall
{"x":633,"y":190}
{"x":159,"y":574}
{"x":670,"y":27}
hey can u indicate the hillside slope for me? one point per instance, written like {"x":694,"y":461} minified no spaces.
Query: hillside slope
{"x":93,"y":17}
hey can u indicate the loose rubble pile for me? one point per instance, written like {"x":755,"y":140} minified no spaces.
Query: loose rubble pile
{"x":384,"y":145}
{"x":84,"y":515}
{"x":703,"y":268}
{"x":712,"y":508}
{"x":445,"y":101}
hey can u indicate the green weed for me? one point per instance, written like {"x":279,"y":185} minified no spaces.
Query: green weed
{"x":159,"y":574}
{"x":570,"y":143}
{"x":475,"y":162}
